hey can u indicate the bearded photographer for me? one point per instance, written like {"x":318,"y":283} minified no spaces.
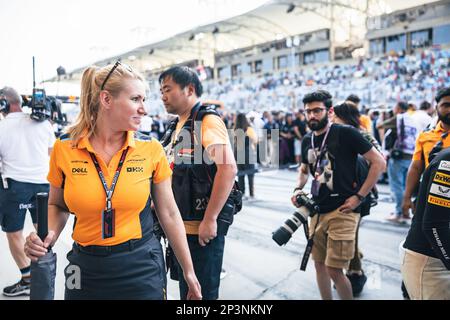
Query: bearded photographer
{"x":25,"y":146}
{"x":329,"y":154}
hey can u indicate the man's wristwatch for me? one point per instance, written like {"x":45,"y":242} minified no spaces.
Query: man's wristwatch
{"x":360,"y":197}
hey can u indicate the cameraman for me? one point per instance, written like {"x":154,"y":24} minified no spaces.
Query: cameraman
{"x":24,"y":151}
{"x":329,"y":154}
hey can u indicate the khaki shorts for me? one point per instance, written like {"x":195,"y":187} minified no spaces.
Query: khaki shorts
{"x":334,"y":239}
{"x":426,"y":278}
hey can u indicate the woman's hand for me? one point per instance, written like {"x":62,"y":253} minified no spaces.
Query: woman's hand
{"x":195,"y":291}
{"x":34,"y":248}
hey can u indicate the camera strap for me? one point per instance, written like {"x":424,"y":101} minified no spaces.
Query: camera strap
{"x":109,"y":191}
{"x":309,"y":247}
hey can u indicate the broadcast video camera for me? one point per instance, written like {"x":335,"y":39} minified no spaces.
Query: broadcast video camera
{"x":44,"y":107}
{"x":307,"y":208}
{"x":40,"y":106}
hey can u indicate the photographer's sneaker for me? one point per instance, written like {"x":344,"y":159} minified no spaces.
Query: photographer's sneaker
{"x":357,"y":281}
{"x":21,"y":288}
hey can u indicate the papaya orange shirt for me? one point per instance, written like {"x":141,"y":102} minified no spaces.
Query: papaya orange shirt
{"x":72,"y":168}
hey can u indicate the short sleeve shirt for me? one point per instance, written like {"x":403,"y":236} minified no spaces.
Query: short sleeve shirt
{"x":337,"y":177}
{"x":72,"y":168}
{"x":427,"y":140}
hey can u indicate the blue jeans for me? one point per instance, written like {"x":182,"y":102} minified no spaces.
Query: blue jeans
{"x":207,"y":263}
{"x":398,"y":170}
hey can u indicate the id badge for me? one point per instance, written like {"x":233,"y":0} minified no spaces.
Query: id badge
{"x":108,"y":223}
{"x":315,"y":186}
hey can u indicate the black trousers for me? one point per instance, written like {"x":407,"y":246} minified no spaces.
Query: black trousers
{"x":249,"y":171}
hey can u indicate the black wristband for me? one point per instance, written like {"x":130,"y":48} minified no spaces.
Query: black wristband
{"x":297,"y":188}
{"x":360,"y":197}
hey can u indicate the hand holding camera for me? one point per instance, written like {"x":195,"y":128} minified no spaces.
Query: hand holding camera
{"x":297,"y":192}
{"x":306,"y":207}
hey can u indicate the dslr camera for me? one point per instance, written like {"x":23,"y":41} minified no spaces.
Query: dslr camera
{"x":307,"y":208}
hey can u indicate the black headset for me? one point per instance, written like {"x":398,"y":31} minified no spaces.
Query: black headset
{"x":4,"y":105}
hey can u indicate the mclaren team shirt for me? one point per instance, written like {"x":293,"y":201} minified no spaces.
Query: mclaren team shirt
{"x":72,"y":168}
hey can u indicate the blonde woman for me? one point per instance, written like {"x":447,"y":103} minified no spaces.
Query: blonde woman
{"x":104,"y":173}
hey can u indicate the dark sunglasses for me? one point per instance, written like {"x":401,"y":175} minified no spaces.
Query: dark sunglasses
{"x":112,"y":70}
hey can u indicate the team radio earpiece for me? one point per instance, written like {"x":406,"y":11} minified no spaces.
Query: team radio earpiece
{"x":4,"y":105}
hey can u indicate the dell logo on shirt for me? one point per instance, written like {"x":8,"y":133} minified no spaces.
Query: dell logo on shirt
{"x":79,"y":170}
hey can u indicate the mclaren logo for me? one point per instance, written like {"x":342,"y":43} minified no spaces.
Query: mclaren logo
{"x":79,"y":171}
{"x":135,"y":169}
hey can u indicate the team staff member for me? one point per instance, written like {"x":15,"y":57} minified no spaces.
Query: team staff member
{"x":181,"y":90}
{"x":25,"y":146}
{"x":115,"y":248}
{"x":425,"y":143}
{"x":426,"y":264}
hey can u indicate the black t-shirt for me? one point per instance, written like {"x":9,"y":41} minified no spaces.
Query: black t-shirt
{"x":301,"y":125}
{"x":430,"y":223}
{"x":288,"y":128}
{"x":337,"y":176}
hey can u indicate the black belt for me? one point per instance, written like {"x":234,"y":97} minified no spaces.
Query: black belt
{"x":129,"y":245}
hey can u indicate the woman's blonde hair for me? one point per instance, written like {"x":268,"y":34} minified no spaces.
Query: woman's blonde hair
{"x":92,"y":81}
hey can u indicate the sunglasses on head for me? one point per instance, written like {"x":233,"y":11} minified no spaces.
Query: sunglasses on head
{"x":112,"y":70}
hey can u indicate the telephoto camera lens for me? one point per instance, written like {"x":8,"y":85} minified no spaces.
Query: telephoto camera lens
{"x":282,"y":235}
